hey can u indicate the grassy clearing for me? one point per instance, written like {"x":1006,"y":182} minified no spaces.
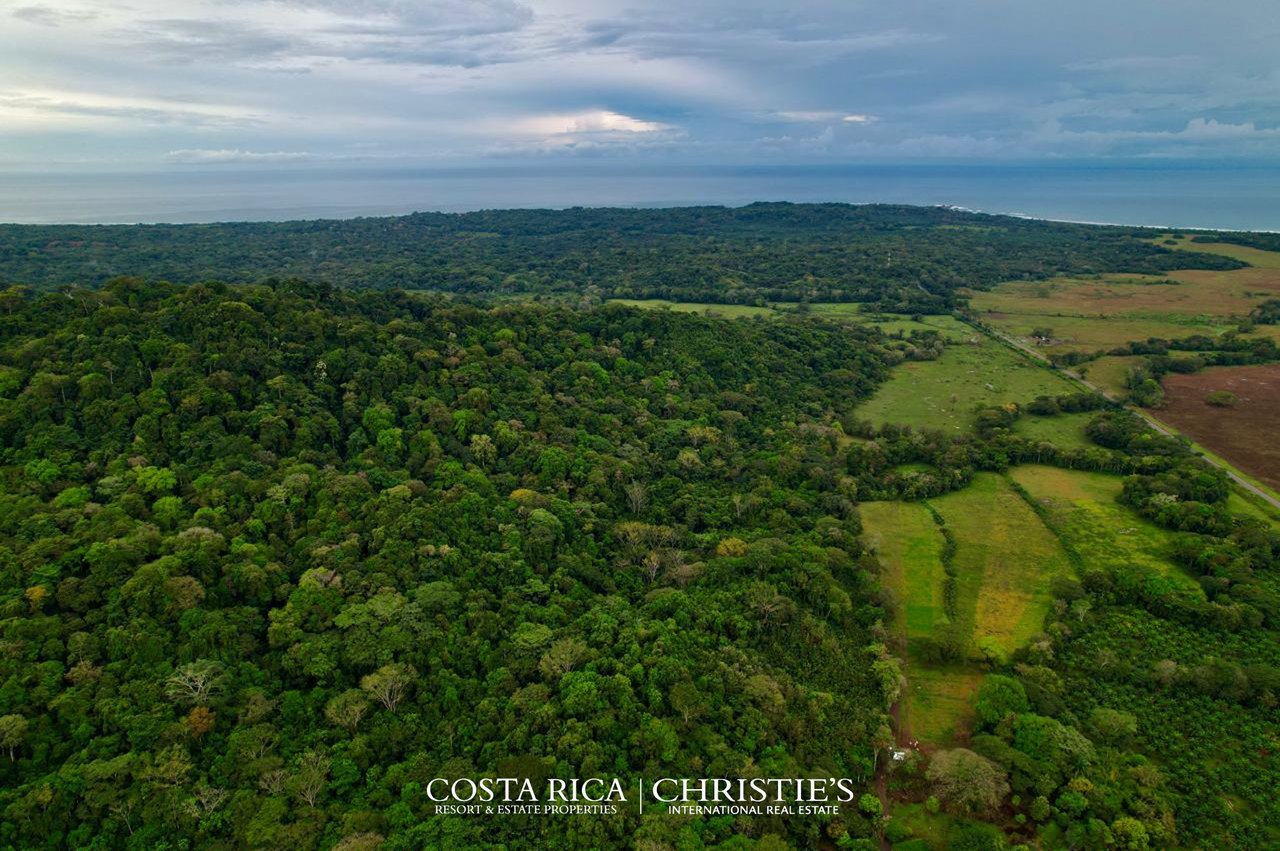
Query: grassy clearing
{"x":1100,"y":331}
{"x":939,"y":707}
{"x":909,"y":546}
{"x":1104,"y":311}
{"x":949,"y":327}
{"x":731,"y":311}
{"x":1005,"y":557}
{"x":934,"y":829}
{"x":1253,"y":256}
{"x":1103,"y":532}
{"x":943,"y":393}
{"x":1110,"y":372}
{"x":891,"y":323}
{"x":1064,"y":430}
{"x":1249,"y":506}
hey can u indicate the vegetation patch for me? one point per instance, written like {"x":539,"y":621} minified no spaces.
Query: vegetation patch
{"x":1110,"y":372}
{"x":1100,"y":312}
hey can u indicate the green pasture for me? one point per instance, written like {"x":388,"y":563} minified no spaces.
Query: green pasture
{"x":1084,"y":511}
{"x":1005,"y":558}
{"x":1065,"y":431}
{"x":908,"y":544}
{"x":943,"y":393}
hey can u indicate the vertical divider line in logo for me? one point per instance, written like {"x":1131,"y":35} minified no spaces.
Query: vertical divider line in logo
{"x":642,"y":795}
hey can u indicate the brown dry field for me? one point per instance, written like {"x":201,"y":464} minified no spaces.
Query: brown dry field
{"x":1247,"y":435}
{"x":1105,"y":311}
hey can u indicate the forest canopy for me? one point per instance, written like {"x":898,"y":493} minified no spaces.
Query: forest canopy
{"x":909,"y":259}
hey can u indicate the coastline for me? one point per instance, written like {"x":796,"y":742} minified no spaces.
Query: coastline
{"x":1208,"y":200}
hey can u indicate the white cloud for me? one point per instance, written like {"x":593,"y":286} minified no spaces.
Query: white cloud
{"x":204,"y":156}
{"x":590,"y":122}
{"x":812,"y":116}
{"x":48,"y":107}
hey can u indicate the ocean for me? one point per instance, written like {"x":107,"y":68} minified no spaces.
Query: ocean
{"x":1185,"y":196}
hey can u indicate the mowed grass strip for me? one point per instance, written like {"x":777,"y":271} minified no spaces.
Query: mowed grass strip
{"x":942,"y":393}
{"x":1005,"y":559}
{"x":909,"y":545}
{"x":1083,"y":508}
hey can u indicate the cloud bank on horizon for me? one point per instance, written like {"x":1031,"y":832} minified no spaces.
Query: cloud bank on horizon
{"x":170,"y":83}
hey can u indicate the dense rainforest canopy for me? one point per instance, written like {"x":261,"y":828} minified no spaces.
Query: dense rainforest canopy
{"x":901,"y":258}
{"x":270,"y":538}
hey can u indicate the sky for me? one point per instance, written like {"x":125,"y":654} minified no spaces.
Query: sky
{"x":173,"y":84}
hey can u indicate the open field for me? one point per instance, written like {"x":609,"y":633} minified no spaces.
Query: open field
{"x":909,"y":546}
{"x":1103,"y":532}
{"x":1005,"y":557}
{"x":1253,"y":256}
{"x":1244,"y":434}
{"x":1249,"y":506}
{"x":943,"y":393}
{"x":948,"y":326}
{"x":728,"y":310}
{"x":1104,"y":311}
{"x":1063,"y":430}
{"x":1097,"y":331}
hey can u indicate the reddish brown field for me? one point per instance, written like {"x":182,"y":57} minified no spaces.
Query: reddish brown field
{"x":1248,"y":434}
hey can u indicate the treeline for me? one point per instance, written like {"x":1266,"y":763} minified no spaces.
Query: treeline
{"x":901,"y":259}
{"x":1124,"y":445}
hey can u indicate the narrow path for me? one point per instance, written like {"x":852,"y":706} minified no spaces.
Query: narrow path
{"x":1150,"y":420}
{"x":882,"y":792}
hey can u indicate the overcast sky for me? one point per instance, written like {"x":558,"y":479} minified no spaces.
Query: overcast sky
{"x":176,"y":83}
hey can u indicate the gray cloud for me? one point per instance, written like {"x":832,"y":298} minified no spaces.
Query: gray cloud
{"x":725,"y":80}
{"x":48,"y":16}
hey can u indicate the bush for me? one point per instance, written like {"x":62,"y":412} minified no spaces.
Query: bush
{"x":1221,"y":399}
